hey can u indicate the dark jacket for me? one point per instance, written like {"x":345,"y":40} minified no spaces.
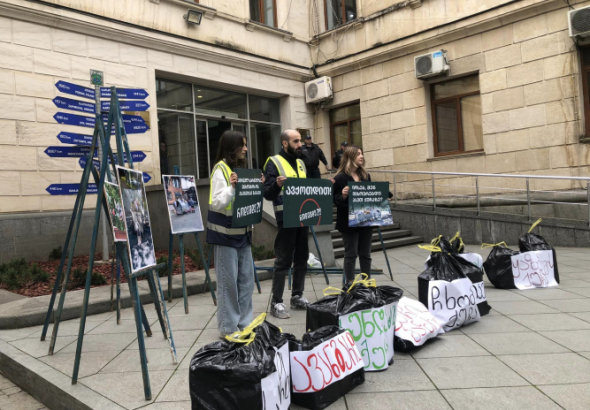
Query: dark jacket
{"x":312,"y":156}
{"x":340,"y":182}
{"x":337,"y":158}
{"x":271,"y":189}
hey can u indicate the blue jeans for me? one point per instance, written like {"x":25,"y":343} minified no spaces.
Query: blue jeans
{"x":235,"y":283}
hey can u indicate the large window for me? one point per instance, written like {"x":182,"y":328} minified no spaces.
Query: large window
{"x":345,"y":126}
{"x":456,"y":113}
{"x":264,"y":11}
{"x":192,"y":118}
{"x":339,"y":12}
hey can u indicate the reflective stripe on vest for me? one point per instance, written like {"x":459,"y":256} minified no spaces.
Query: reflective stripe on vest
{"x":226,"y":174}
{"x":228,"y":231}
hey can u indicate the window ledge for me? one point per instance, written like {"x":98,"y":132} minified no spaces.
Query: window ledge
{"x":208,"y":12}
{"x":252,"y":25}
{"x":357,"y":23}
{"x":468,"y":154}
{"x":585,"y":140}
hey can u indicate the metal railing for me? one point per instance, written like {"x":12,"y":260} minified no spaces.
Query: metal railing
{"x":578,"y":192}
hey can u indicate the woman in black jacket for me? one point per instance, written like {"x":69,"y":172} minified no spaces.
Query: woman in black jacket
{"x":357,"y":241}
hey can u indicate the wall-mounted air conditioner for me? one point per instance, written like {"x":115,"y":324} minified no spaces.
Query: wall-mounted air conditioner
{"x":431,"y":64}
{"x":318,"y":90}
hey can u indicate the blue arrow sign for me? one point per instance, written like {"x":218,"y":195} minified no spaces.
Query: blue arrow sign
{"x":146,"y":178}
{"x":132,"y":123}
{"x":125,"y":93}
{"x":75,"y":89}
{"x":75,"y":139}
{"x":127,"y":119}
{"x":74,"y":105}
{"x":137,"y":156}
{"x":67,"y":152}
{"x":126,"y":106}
{"x":82,"y":161}
{"x":69,"y":189}
{"x":73,"y":119}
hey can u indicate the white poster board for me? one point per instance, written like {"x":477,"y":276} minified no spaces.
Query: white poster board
{"x":326,"y":364}
{"x":414,"y":323}
{"x":276,"y":388}
{"x":373,"y":331}
{"x":535,"y":269}
{"x":454,"y":304}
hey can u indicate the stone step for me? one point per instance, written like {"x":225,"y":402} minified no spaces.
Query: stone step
{"x":338,"y":242}
{"x":336,"y":234}
{"x":389,"y":244}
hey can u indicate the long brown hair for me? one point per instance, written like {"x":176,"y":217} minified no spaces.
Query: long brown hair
{"x":230,"y":144}
{"x":346,"y":164}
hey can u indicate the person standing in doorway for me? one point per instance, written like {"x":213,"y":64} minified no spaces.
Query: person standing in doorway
{"x":357,"y":241}
{"x":338,"y":155}
{"x":233,"y":253}
{"x":311,"y":155}
{"x":290,"y":243}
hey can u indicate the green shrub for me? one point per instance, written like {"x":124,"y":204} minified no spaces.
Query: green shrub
{"x":195,"y":256}
{"x":17,"y":273}
{"x":78,"y":279}
{"x":55,"y":254}
{"x":260,"y":253}
{"x":163,"y":272}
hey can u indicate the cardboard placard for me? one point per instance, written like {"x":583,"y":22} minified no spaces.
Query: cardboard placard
{"x":415,"y":323}
{"x":373,"y":331}
{"x":247,"y":208}
{"x":535,"y":269}
{"x":307,"y":202}
{"x":368,"y":204}
{"x":454,"y":304}
{"x":326,"y":364}
{"x":276,"y":388}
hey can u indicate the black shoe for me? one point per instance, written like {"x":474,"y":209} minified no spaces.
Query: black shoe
{"x":299,"y":303}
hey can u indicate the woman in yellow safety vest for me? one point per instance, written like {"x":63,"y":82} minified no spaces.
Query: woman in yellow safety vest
{"x":233,"y":254}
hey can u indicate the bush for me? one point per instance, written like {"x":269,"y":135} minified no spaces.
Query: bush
{"x":163,"y":272}
{"x":55,"y":254}
{"x":196,"y":256}
{"x":260,"y":253}
{"x":17,"y":273}
{"x":78,"y":279}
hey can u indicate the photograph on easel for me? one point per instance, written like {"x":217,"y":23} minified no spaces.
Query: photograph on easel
{"x":183,"y":204}
{"x":115,"y":205}
{"x":137,"y":219}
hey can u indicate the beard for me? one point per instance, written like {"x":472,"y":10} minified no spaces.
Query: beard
{"x":295,"y":152}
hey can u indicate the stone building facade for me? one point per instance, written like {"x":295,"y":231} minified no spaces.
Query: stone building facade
{"x":515,"y":78}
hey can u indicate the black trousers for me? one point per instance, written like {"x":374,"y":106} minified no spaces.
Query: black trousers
{"x":357,"y":243}
{"x":290,"y":249}
{"x":313,"y":173}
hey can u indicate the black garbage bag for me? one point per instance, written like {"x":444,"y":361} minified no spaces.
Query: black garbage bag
{"x":452,"y":289}
{"x":226,"y":374}
{"x":531,"y":242}
{"x":368,"y":313}
{"x":325,"y":366}
{"x":498,"y":266}
{"x":414,"y":325}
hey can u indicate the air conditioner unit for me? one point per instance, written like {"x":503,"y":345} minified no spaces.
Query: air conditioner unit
{"x":431,"y":64}
{"x":318,"y":90}
{"x":579,"y":22}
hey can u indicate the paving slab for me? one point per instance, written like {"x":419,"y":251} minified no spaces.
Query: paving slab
{"x":414,"y":400}
{"x":517,"y":343}
{"x":499,"y":398}
{"x":569,"y":396}
{"x":560,"y":321}
{"x":558,"y":368}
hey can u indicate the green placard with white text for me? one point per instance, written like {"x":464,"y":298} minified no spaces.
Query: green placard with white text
{"x":247,"y":209}
{"x":307,"y":202}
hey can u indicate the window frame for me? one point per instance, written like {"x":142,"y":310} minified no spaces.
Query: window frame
{"x":342,"y":12}
{"x":334,"y":124}
{"x":584,"y":72}
{"x":262,"y":14}
{"x":457,"y":98}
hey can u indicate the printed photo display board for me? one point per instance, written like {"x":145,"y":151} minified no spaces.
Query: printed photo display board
{"x":113,"y":196}
{"x":307,"y":202}
{"x":247,"y":209}
{"x":137,"y":219}
{"x":183,"y":204}
{"x":368,"y":204}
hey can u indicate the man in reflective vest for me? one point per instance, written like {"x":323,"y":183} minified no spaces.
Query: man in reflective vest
{"x":290,"y":243}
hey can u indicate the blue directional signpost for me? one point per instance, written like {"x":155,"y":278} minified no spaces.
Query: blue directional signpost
{"x":134,"y":124}
{"x":68,"y":152}
{"x":74,"y":138}
{"x":75,"y":89}
{"x":125,"y":93}
{"x":126,"y":106}
{"x":136,"y":156}
{"x":74,"y":105}
{"x":69,"y":189}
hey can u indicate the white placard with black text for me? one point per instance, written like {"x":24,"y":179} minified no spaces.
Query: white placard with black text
{"x":454,"y":304}
{"x":414,"y":323}
{"x":276,"y":388}
{"x":535,"y":269}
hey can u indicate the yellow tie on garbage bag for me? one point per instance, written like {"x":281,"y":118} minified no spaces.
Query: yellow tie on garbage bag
{"x":370,"y":283}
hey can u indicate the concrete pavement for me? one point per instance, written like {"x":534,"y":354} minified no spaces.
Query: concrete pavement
{"x":533,"y":350}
